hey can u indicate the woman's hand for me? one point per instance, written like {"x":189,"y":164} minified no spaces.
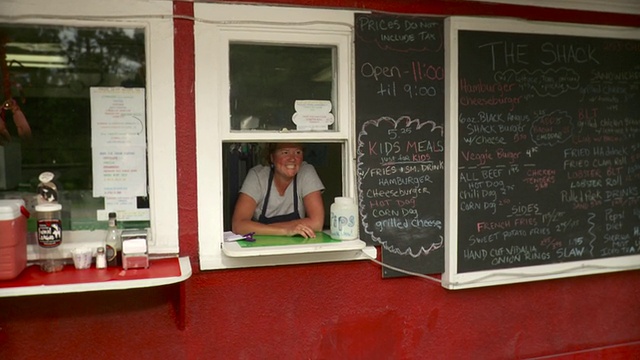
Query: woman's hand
{"x":242,"y":223}
{"x":301,"y":229}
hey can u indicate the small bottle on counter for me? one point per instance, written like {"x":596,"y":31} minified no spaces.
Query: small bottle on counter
{"x":101,"y":258}
{"x":112,"y":242}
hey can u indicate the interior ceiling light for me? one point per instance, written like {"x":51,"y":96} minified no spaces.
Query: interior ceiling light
{"x":36,"y":47}
{"x":38,"y":61}
{"x":41,"y":55}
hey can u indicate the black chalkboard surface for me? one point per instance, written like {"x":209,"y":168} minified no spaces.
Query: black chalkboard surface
{"x":546,"y":154}
{"x":400,"y":155}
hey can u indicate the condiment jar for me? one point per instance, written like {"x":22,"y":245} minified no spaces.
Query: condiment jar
{"x":49,"y":236}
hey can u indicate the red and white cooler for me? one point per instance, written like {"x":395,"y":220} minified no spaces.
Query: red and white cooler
{"x":13,"y":238}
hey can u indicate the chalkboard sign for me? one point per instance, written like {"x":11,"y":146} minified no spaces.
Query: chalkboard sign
{"x":400,"y":155}
{"x":544,"y":150}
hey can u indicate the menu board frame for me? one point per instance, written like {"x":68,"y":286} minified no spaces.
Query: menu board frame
{"x":453,"y":278}
{"x":399,"y":103}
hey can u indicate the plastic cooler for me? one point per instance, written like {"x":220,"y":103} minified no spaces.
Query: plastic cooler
{"x":13,"y":238}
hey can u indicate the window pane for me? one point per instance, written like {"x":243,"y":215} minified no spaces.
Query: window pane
{"x":267,"y":80}
{"x":49,"y":71}
{"x":238,"y":158}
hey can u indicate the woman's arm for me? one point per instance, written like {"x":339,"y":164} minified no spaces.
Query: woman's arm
{"x":307,"y":226}
{"x":314,"y":208}
{"x":242,"y":222}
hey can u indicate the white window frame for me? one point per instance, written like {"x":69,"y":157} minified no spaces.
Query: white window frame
{"x":217,"y":26}
{"x":617,"y":6}
{"x":156,"y":17}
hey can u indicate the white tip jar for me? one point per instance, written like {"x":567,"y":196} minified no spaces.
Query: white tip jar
{"x":344,"y":219}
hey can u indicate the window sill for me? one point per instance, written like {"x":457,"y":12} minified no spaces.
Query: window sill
{"x":289,"y":245}
{"x":219,"y":260}
{"x":33,"y":281}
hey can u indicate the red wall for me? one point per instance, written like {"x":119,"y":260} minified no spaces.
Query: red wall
{"x":334,"y":310}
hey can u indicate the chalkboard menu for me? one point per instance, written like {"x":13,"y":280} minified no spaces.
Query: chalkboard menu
{"x":400,"y":155}
{"x":548,"y":148}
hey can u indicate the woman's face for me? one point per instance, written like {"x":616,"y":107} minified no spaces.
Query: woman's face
{"x":287,"y":159}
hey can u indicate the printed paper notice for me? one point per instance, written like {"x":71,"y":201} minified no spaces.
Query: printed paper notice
{"x":119,"y":172}
{"x":117,"y":117}
{"x":118,"y":141}
{"x":125,"y":207}
{"x":312,"y":115}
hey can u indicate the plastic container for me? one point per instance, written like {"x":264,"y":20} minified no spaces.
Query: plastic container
{"x":13,"y":238}
{"x":82,"y":258}
{"x":135,"y":251}
{"x":344,"y":219}
{"x":49,"y":235}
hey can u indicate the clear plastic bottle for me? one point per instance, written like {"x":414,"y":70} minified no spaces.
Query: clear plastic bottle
{"x":49,"y":234}
{"x":112,"y":242}
{"x":344,"y":219}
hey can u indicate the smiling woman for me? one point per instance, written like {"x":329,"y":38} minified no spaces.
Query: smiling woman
{"x":283,"y":198}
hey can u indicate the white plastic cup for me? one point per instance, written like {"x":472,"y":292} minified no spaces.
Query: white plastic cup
{"x":82,"y":258}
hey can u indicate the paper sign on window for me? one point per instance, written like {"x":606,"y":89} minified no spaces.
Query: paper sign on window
{"x":312,"y":115}
{"x":118,"y":140}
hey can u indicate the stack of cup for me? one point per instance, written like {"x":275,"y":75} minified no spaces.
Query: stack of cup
{"x":82,"y":258}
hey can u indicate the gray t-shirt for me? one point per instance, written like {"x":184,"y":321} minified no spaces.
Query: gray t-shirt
{"x":255,"y":186}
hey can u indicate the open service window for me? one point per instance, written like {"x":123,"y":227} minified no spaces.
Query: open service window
{"x":266,"y":75}
{"x":87,"y":98}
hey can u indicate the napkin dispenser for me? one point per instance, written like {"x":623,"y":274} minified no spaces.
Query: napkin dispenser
{"x":135,"y":249}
